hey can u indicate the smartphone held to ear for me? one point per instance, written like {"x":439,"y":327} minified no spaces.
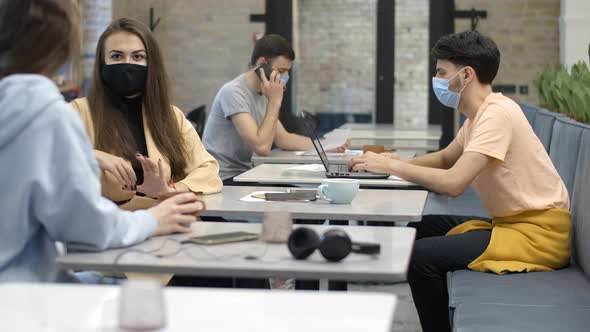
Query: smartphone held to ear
{"x":265,"y":66}
{"x":267,"y":70}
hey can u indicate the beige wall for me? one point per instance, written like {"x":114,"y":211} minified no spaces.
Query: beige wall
{"x":208,"y":42}
{"x":338,"y":58}
{"x":574,"y":25}
{"x":205,"y":43}
{"x":411,"y":63}
{"x":527,"y":33}
{"x":337,"y":42}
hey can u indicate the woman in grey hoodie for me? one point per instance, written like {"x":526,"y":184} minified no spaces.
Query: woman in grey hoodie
{"x":49,"y":176}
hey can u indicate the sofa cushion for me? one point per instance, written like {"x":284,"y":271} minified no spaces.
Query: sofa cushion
{"x":530,"y":111}
{"x":508,"y":317}
{"x":567,"y":286}
{"x":543,"y":126}
{"x":581,"y":207}
{"x":564,"y":149}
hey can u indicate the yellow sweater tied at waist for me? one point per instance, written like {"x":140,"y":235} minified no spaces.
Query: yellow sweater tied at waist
{"x":530,"y":241}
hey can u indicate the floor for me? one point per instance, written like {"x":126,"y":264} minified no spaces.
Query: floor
{"x":406,"y":318}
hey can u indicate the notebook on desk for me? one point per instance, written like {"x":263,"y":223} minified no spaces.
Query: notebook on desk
{"x":336,"y":170}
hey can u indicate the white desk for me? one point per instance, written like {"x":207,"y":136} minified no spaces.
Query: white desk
{"x":368,"y":205}
{"x":80,"y":308}
{"x":282,"y":174}
{"x":388,"y":135}
{"x":278,"y":156}
{"x":273,"y":260}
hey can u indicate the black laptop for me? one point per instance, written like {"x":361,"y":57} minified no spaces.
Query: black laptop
{"x":336,"y":170}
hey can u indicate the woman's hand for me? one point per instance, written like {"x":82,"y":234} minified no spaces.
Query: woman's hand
{"x":372,"y":162}
{"x":154,"y":184}
{"x":119,"y":167}
{"x":175,"y":214}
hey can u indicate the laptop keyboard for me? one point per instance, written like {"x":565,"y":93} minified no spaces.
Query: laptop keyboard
{"x":343,"y":168}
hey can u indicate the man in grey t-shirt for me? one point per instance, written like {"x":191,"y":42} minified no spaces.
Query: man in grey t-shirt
{"x":244,"y":117}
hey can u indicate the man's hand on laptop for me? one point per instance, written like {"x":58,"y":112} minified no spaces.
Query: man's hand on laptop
{"x":372,"y":162}
{"x":391,"y":155}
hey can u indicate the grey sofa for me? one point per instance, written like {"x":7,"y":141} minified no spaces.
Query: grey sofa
{"x":540,"y":301}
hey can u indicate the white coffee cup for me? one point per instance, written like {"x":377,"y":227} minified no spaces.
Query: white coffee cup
{"x":141,"y":305}
{"x":338,"y":191}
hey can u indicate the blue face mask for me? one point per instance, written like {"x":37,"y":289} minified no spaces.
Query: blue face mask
{"x":285,"y":79}
{"x":442,"y":92}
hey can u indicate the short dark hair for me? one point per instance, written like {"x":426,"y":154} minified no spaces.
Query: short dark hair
{"x":37,"y":36}
{"x":272,"y":46}
{"x":470,"y":48}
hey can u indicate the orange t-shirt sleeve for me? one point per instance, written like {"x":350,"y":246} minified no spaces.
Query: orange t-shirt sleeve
{"x":491,"y":135}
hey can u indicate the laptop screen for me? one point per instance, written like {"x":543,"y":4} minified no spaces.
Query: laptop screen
{"x":316,"y":142}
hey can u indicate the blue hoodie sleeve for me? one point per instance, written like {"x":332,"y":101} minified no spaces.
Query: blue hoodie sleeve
{"x":69,"y":202}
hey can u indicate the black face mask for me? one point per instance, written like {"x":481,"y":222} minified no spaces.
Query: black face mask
{"x":124,"y":79}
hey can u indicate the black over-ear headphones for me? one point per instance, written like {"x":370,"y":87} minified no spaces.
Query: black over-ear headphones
{"x":334,"y":244}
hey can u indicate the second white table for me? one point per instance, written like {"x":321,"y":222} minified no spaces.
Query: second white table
{"x":368,"y":205}
{"x":254,"y":259}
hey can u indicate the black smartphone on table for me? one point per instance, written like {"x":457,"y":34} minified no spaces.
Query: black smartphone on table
{"x":222,"y":238}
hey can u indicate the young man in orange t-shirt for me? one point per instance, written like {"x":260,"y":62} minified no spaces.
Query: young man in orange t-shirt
{"x":496,"y":152}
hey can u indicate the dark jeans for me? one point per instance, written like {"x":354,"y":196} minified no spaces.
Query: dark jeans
{"x":434,"y":255}
{"x":219,"y":282}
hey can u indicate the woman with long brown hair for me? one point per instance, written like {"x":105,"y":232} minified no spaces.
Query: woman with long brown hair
{"x":144,"y":145}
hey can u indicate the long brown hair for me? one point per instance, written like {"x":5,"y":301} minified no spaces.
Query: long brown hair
{"x":37,"y":36}
{"x":111,"y":132}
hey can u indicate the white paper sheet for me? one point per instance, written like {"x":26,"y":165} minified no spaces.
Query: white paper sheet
{"x":308,"y":168}
{"x":395,"y":178}
{"x":336,"y":138}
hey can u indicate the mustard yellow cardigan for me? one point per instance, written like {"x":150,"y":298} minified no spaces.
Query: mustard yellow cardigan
{"x":202,"y":169}
{"x":530,"y":241}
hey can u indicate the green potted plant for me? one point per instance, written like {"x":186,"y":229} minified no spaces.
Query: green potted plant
{"x":566,"y":92}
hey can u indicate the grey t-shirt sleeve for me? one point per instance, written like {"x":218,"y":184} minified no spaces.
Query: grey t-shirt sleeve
{"x":233,"y":100}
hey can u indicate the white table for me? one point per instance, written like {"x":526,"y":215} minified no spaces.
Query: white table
{"x":386,"y":134}
{"x":282,"y":174}
{"x":368,"y":205}
{"x":80,"y":308}
{"x":272,"y":260}
{"x":278,"y":156}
